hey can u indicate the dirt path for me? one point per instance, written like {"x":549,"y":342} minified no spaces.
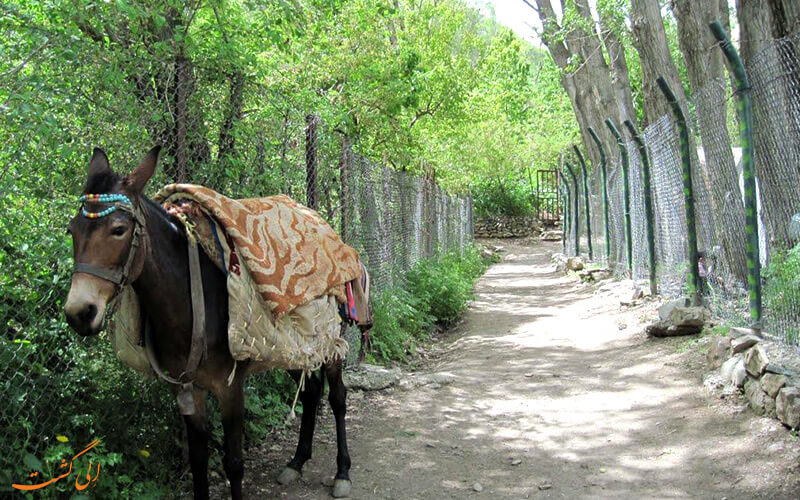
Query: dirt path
{"x":548,"y":377}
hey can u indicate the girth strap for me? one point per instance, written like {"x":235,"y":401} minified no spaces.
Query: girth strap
{"x":198,"y":348}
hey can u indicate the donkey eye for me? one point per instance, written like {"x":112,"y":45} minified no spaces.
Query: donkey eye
{"x":119,"y":230}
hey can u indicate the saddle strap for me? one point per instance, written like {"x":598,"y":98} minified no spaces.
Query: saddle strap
{"x":198,"y":347}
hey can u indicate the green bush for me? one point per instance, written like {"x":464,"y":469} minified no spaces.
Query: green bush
{"x":782,"y":290}
{"x":503,"y":197}
{"x":435,"y":293}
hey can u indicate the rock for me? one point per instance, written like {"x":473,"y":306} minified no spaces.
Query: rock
{"x":778,"y":369}
{"x":477,"y":487}
{"x":713,"y":383}
{"x":433,"y":380}
{"x":741,"y":332}
{"x":560,"y":261}
{"x":551,"y":236}
{"x":718,"y":351}
{"x":371,"y":378}
{"x":739,"y":374}
{"x":743,"y":343}
{"x":787,"y":406}
{"x":664,"y":329}
{"x":756,"y":397}
{"x":772,"y":383}
{"x":770,"y":407}
{"x":756,"y":361}
{"x":665,"y":310}
{"x":688,"y":316}
{"x":574,"y":264}
{"x":726,"y":370}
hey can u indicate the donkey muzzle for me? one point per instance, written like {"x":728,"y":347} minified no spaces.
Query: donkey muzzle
{"x":86,"y":303}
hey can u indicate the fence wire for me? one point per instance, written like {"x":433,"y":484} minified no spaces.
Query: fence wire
{"x":55,"y":382}
{"x":775,"y":78}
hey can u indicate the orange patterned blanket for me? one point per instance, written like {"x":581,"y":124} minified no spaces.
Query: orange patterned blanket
{"x":291,"y":253}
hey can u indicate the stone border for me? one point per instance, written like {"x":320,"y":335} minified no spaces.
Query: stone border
{"x":758,"y":367}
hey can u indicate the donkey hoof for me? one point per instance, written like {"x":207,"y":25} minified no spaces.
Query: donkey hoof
{"x":341,"y":488}
{"x":288,"y":476}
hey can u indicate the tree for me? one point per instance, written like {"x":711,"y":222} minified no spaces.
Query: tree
{"x":709,"y":84}
{"x":773,"y":64}
{"x":650,"y":40}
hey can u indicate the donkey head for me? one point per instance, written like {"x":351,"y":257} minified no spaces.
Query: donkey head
{"x":106,"y":235}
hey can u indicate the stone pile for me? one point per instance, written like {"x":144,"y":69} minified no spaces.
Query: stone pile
{"x":565,"y":264}
{"x":746,"y":361}
{"x":506,"y":226}
{"x":551,"y":235}
{"x":679,"y":317}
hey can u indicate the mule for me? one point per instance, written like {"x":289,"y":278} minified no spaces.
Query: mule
{"x":143,"y":246}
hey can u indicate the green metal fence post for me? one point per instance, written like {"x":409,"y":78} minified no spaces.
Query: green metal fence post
{"x":575,"y":195}
{"x":745,"y":111}
{"x":688,"y":192}
{"x":648,"y":205}
{"x":626,"y":193}
{"x":605,"y":189}
{"x":567,"y":216}
{"x":585,"y":200}
{"x":564,"y":201}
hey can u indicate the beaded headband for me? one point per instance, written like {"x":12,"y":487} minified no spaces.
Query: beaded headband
{"x":118,"y":200}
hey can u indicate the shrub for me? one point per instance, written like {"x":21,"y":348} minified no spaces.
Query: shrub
{"x":435,"y":292}
{"x":503,"y":197}
{"x":782,"y":290}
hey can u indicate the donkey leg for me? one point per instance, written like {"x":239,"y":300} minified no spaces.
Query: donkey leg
{"x":310,"y":399}
{"x":231,"y":402}
{"x":197,"y":438}
{"x":337,"y":397}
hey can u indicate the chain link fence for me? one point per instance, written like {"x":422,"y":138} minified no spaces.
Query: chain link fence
{"x":718,"y":196}
{"x":237,"y":139}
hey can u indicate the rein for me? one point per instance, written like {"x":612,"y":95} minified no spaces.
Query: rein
{"x":121,"y":277}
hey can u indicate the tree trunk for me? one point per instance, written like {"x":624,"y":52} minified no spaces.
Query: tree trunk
{"x":772,"y":66}
{"x":710,"y":88}
{"x":233,"y":113}
{"x":650,"y":40}
{"x":596,"y":90}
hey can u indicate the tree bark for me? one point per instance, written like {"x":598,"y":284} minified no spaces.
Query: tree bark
{"x":650,"y":40}
{"x":596,"y":89}
{"x":233,"y":113}
{"x":773,"y":68}
{"x":710,"y":88}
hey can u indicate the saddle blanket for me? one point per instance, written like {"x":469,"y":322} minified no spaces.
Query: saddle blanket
{"x":287,"y":272}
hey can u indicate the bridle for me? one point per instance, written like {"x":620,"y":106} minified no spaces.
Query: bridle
{"x":120,"y":276}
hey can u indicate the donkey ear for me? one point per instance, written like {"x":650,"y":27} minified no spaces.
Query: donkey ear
{"x":137,"y":179}
{"x":98,"y":165}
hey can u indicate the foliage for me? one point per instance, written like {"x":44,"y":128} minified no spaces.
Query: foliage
{"x":436,"y":292}
{"x":503,"y":197}
{"x":781,"y":292}
{"x":426,"y":86}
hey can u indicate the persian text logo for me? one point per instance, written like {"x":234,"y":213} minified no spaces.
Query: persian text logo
{"x":79,"y":485}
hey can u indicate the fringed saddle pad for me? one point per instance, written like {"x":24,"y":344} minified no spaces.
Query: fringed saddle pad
{"x":286,"y":268}
{"x":292,"y":254}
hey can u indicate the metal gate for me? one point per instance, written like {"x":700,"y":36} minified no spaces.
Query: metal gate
{"x":547,"y":198}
